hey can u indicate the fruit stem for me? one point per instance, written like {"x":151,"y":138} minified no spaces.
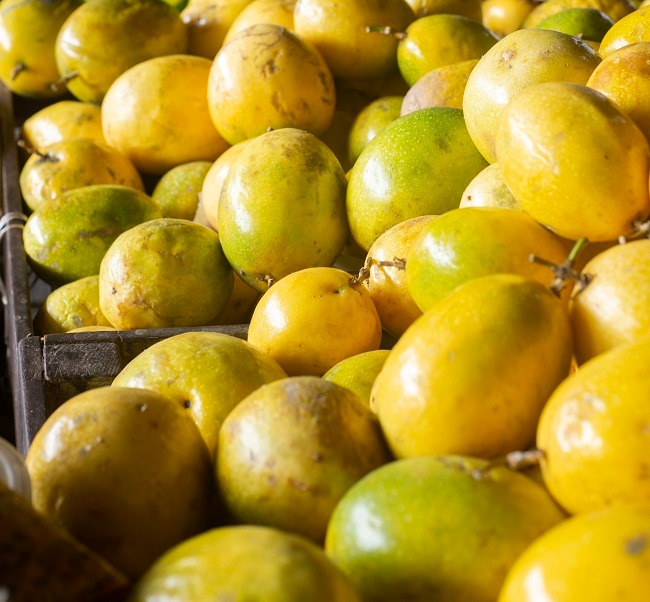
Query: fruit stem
{"x":268,"y":279}
{"x":46,"y":156}
{"x":565,"y":271}
{"x":386,"y":30}
{"x":364,"y":273}
{"x":639,"y":228}
{"x":578,"y":247}
{"x":61,"y":83}
{"x":397,"y":262}
{"x":516,"y":460}
{"x":17,"y":70}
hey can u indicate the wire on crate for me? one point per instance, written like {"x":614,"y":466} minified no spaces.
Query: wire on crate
{"x":9,"y":221}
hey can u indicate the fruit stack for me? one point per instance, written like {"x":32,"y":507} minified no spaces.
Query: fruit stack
{"x":431,"y":217}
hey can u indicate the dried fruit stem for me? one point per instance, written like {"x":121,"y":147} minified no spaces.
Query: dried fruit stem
{"x":640,"y":229}
{"x":17,"y":70}
{"x":268,"y":279}
{"x":397,"y":262}
{"x":46,"y":156}
{"x":385,"y":30}
{"x":516,"y":460}
{"x":58,"y":85}
{"x":364,"y":273}
{"x":565,"y":271}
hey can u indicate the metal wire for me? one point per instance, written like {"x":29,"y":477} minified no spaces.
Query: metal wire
{"x":8,"y":222}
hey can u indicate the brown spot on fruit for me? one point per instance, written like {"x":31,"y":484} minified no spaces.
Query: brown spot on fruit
{"x":636,"y":545}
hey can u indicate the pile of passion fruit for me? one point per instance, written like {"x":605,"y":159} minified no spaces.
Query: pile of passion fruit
{"x":431,"y":216}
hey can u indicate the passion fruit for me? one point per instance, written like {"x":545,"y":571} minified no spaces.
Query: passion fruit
{"x":103,"y":38}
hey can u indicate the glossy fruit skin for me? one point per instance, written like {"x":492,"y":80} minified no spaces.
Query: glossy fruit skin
{"x":279,"y":12}
{"x":295,"y":91}
{"x":432,"y":528}
{"x":104,"y":38}
{"x":513,"y":64}
{"x":505,"y":16}
{"x":156,"y":113}
{"x":587,"y":179}
{"x":488,"y":189}
{"x":62,"y":120}
{"x":624,"y":77}
{"x":358,"y":372}
{"x":467,"y":8}
{"x":616,"y":9}
{"x":467,"y":243}
{"x":28,"y":31}
{"x":598,"y":556}
{"x":371,"y":120}
{"x":67,"y":238}
{"x":206,"y":373}
{"x":213,"y":183}
{"x":587,"y":23}
{"x":440,"y":87}
{"x":74,"y":163}
{"x":467,"y":377}
{"x":632,"y":28}
{"x":611,"y":309}
{"x":106,"y":466}
{"x":386,"y":283}
{"x":150,"y":276}
{"x":313,"y":319}
{"x":245,"y":562}
{"x":178,"y":190}
{"x":593,"y":432}
{"x":282,"y":207}
{"x":439,"y":40}
{"x":338,"y":31}
{"x":73,"y":305}
{"x":418,"y":165}
{"x":208,"y":22}
{"x":290,"y":450}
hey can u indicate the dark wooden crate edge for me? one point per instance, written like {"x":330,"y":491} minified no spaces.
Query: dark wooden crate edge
{"x":28,"y":390}
{"x":17,"y":309}
{"x":54,"y":368}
